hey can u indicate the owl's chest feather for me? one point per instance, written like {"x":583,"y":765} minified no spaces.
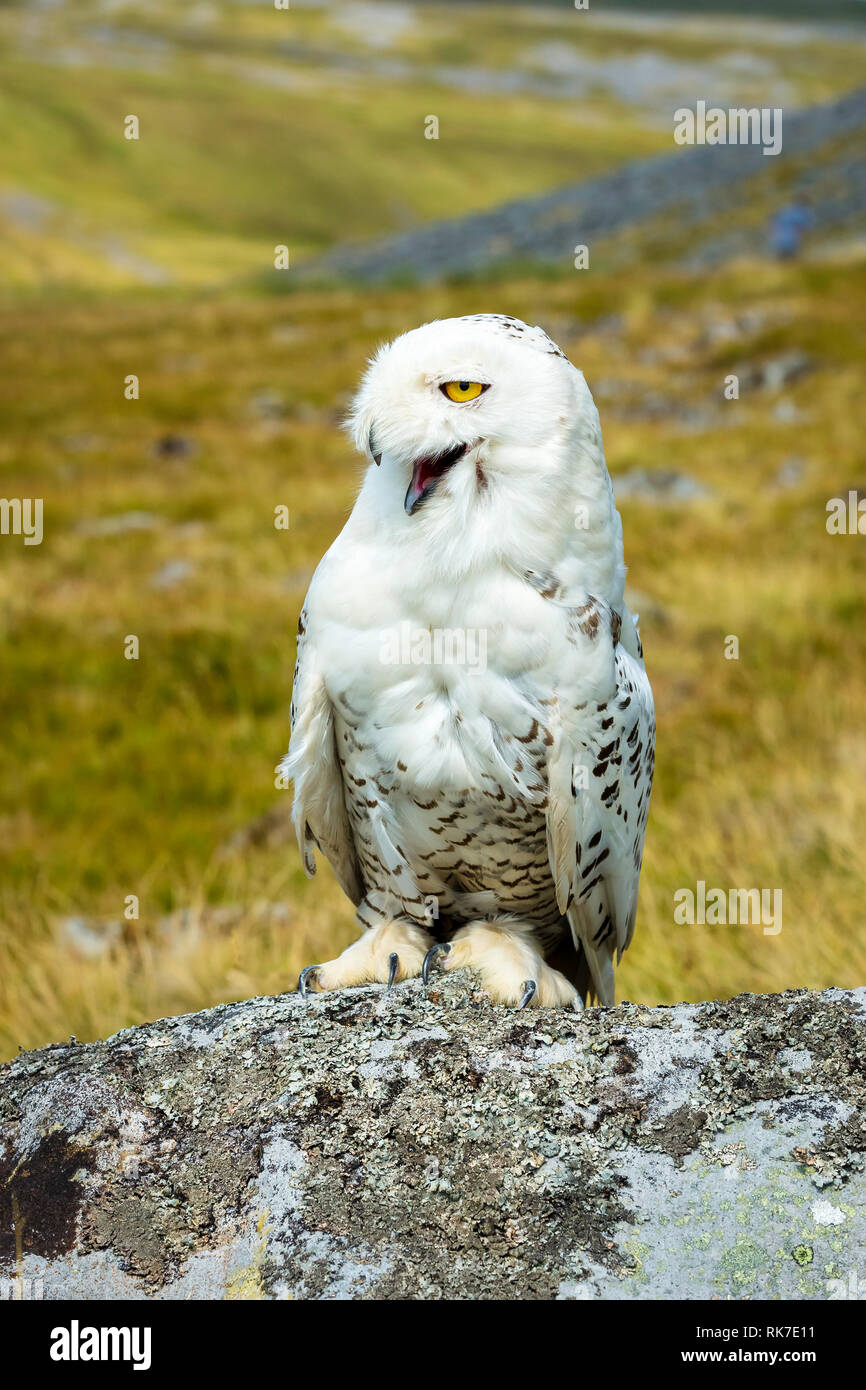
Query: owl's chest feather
{"x":474,"y":846}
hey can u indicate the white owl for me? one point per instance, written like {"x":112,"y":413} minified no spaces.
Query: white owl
{"x":472,"y":725}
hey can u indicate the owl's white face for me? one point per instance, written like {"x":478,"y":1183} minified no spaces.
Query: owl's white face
{"x":453,"y":406}
{"x":484,"y":446}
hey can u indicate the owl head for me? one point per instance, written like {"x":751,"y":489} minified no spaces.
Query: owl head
{"x":475,"y":429}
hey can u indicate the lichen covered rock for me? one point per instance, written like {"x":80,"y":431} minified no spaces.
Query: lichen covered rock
{"x":411,"y":1144}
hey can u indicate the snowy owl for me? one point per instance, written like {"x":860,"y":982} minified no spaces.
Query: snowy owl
{"x":472,"y":725}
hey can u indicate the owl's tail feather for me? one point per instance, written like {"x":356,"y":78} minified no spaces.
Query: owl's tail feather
{"x":595,"y":944}
{"x":583,"y":981}
{"x":597,"y":971}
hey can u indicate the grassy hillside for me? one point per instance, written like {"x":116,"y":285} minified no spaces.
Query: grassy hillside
{"x":306,"y":126}
{"x":213,"y":204}
{"x":131,"y":777}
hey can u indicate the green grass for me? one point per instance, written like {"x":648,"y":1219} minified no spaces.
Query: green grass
{"x":121,"y":777}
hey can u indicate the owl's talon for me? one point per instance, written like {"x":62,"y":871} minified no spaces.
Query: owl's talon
{"x":393,"y":966}
{"x":529,"y":988}
{"x":439,"y":948}
{"x":302,"y":980}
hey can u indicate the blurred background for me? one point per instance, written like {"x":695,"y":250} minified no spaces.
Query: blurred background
{"x":146,"y":861}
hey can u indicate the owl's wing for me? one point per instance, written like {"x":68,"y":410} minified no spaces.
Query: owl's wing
{"x":600,"y":770}
{"x":319,"y":807}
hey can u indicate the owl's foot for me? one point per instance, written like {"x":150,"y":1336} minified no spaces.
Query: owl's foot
{"x":387,"y":953}
{"x":512,"y":969}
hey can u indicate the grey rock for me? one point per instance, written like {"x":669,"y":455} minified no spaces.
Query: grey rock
{"x":26,"y":210}
{"x":418,"y":1144}
{"x":660,"y":485}
{"x":790,"y":366}
{"x":169,"y":575}
{"x":786,"y":412}
{"x":88,"y":939}
{"x":791,"y":473}
{"x":775,"y":372}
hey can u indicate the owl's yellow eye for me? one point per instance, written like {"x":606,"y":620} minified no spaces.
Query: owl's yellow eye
{"x":462,"y":390}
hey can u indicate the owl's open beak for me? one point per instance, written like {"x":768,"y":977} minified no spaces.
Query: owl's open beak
{"x":426,"y":472}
